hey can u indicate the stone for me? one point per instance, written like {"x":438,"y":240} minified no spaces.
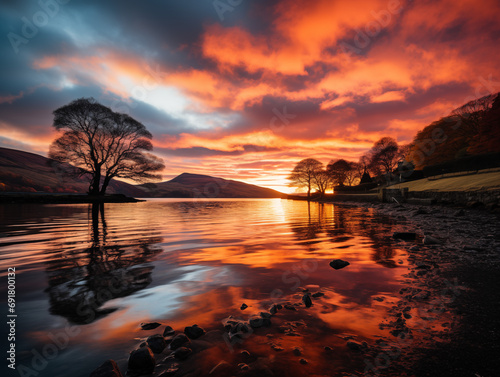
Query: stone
{"x":221,"y":369}
{"x":194,"y":332}
{"x":243,"y":366}
{"x":150,"y":325}
{"x":245,"y":353}
{"x":257,"y":321}
{"x":273,"y":309}
{"x":318,"y":294}
{"x":265,"y":315}
{"x":337,"y":264}
{"x":171,"y":371}
{"x":182,"y":353}
{"x":297,"y":351}
{"x":178,"y":341}
{"x":354,"y":346}
{"x":277,"y":348}
{"x":290,"y":307}
{"x":303,"y":361}
{"x":459,"y":213}
{"x":307,"y":300}
{"x":107,"y":369}
{"x":168,"y":331}
{"x":428,"y":240}
{"x":157,"y":343}
{"x":243,"y":306}
{"x":141,"y":361}
{"x":405,"y":236}
{"x":327,"y":348}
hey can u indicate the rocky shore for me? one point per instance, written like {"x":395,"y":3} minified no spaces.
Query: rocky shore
{"x":444,"y":321}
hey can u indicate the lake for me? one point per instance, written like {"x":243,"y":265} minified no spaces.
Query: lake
{"x":86,"y":279}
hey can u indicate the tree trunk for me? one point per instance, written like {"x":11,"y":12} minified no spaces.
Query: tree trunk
{"x":105,"y":185}
{"x":94,"y":184}
{"x":309,"y":193}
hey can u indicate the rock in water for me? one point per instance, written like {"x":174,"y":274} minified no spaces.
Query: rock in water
{"x":243,"y":306}
{"x":194,"y":332}
{"x":337,"y":264}
{"x":355,"y":346}
{"x":107,"y":369}
{"x":141,"y":361}
{"x":428,"y":240}
{"x":150,"y":326}
{"x":406,"y":236}
{"x":157,"y":343}
{"x":182,"y":353}
{"x":297,"y":351}
{"x":307,"y":300}
{"x":178,"y":341}
{"x":168,"y":331}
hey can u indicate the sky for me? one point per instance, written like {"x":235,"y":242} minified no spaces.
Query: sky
{"x":245,"y":89}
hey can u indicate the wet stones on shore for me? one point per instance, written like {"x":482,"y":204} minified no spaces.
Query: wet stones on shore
{"x":182,"y":353}
{"x":157,"y":343}
{"x":169,"y":331}
{"x":107,"y":369}
{"x":141,"y":361}
{"x":178,"y":341}
{"x":194,"y":332}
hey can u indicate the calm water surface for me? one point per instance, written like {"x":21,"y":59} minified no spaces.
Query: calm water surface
{"x":89,"y":278}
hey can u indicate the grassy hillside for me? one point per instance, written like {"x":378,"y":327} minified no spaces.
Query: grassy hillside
{"x":28,"y":172}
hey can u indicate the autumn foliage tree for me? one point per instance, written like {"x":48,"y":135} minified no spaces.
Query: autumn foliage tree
{"x":103,"y":144}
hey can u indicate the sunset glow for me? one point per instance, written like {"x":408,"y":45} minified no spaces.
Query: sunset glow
{"x":247,"y":93}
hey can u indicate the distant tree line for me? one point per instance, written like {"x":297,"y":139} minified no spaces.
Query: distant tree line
{"x":380,"y":161}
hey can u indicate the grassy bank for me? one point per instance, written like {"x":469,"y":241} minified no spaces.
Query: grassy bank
{"x":473,"y":182}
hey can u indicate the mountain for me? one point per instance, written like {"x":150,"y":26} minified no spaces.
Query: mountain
{"x":28,"y":172}
{"x":189,"y":185}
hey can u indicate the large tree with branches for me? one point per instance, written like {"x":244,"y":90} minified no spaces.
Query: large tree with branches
{"x":103,"y":144}
{"x":307,"y":173}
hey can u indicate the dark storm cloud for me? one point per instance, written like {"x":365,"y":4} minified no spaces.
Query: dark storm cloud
{"x":197,"y":152}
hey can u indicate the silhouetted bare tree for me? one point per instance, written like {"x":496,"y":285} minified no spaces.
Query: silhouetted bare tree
{"x":304,"y":174}
{"x":384,"y":156}
{"x":339,"y":170}
{"x":103,"y":144}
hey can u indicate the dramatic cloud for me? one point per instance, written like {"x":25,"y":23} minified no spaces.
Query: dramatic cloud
{"x":246,"y":91}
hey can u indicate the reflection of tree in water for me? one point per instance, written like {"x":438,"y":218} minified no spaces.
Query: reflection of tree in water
{"x":82,"y":282}
{"x":342,"y":224}
{"x":309,"y":231}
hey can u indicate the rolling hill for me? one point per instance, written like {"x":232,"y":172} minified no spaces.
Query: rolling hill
{"x":189,"y":185}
